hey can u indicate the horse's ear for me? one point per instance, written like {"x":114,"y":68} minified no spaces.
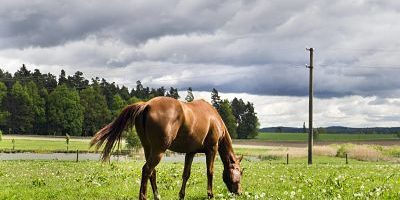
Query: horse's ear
{"x":240,"y":158}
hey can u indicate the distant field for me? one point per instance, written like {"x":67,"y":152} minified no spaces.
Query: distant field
{"x":43,"y":144}
{"x":325,"y":137}
{"x":58,"y":144}
{"x":327,"y":178}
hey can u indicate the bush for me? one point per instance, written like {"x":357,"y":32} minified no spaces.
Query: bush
{"x":342,"y":151}
{"x":132,"y":140}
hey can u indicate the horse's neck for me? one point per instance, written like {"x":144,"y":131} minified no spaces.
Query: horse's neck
{"x":226,"y":151}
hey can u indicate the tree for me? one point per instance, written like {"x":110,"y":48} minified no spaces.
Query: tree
{"x":141,"y":92}
{"x":117,"y":105}
{"x":109,"y":90}
{"x":3,"y":112}
{"x":173,"y":93}
{"x":132,"y":140}
{"x":158,"y":92}
{"x":133,"y":100}
{"x":23,"y":74}
{"x":62,"y":78}
{"x":124,"y":93}
{"x":65,"y":111}
{"x":189,"y":97}
{"x":49,"y":81}
{"x":248,"y":128}
{"x":38,"y":107}
{"x":77,"y":81}
{"x":225,"y":111}
{"x":215,"y":99}
{"x":96,"y":113}
{"x":20,"y":109}
{"x":238,"y":109}
{"x":304,"y":128}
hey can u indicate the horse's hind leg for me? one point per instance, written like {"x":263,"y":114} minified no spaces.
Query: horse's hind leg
{"x":153,"y":182}
{"x":152,"y":160}
{"x":186,"y":173}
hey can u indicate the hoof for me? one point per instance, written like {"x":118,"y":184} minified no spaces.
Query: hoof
{"x":210,"y":195}
{"x":142,"y":197}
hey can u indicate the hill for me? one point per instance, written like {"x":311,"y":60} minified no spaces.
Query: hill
{"x":335,"y":129}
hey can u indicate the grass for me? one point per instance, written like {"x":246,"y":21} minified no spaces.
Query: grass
{"x":42,"y":146}
{"x":261,"y":180}
{"x":297,"y":137}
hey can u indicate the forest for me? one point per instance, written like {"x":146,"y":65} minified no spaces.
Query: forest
{"x":37,"y":103}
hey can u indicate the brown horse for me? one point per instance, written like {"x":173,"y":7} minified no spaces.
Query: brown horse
{"x":165,"y":123}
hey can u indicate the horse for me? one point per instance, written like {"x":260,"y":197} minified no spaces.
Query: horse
{"x":165,"y":123}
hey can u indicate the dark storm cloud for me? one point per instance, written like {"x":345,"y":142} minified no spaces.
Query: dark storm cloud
{"x":236,"y":46}
{"x":52,"y":23}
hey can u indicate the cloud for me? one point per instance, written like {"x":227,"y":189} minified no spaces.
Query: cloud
{"x":354,"y":111}
{"x":255,"y":47}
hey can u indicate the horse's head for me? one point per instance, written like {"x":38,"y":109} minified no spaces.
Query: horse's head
{"x":232,"y":175}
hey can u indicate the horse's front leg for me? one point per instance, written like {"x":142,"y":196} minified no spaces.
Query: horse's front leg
{"x":210,"y":158}
{"x":186,"y":173}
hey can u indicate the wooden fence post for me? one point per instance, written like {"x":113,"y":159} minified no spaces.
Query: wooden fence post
{"x":287,"y":159}
{"x":77,"y":155}
{"x":347,"y":161}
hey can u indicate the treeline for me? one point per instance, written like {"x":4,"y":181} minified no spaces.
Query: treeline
{"x":239,"y":117}
{"x":37,"y":103}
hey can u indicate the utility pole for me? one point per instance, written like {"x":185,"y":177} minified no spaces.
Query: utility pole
{"x":310,"y":109}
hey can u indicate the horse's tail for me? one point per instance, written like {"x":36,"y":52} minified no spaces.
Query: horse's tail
{"x":113,"y":131}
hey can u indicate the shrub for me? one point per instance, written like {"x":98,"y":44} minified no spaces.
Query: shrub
{"x":342,"y":151}
{"x":132,"y":140}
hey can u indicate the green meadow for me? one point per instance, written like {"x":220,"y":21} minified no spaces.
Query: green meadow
{"x":327,"y":178}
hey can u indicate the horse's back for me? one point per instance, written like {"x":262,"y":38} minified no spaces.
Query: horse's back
{"x":181,"y":127}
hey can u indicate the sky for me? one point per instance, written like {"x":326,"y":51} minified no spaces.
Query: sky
{"x":251,"y":49}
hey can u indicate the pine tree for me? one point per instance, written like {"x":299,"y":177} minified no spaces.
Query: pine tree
{"x":215,"y":99}
{"x":22,"y":75}
{"x":124,"y":93}
{"x":141,"y":92}
{"x":173,"y":93}
{"x":109,"y":90}
{"x":62,"y":78}
{"x":77,"y":81}
{"x":189,"y":97}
